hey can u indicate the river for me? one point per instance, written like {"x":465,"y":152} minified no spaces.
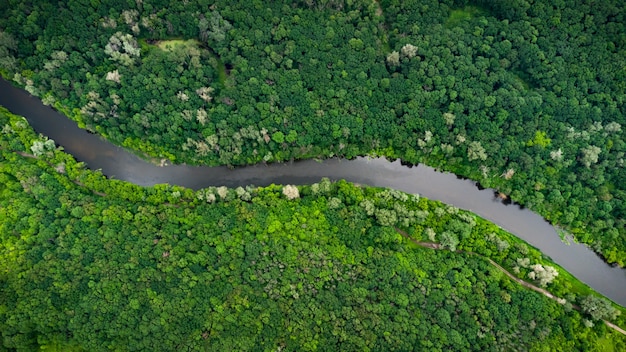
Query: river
{"x":116,"y":162}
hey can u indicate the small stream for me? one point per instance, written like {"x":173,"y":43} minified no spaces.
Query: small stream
{"x":116,"y":162}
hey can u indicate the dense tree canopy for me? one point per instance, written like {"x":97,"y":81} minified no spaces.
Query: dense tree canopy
{"x":93,"y":264}
{"x":479,"y":88}
{"x":525,"y":96}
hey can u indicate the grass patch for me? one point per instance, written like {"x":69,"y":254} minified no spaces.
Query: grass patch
{"x":169,"y":45}
{"x":460,"y":15}
{"x":604,"y":344}
{"x":221,"y":71}
{"x":173,"y":44}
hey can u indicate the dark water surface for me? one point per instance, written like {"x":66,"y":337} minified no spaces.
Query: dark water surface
{"x":118,"y":163}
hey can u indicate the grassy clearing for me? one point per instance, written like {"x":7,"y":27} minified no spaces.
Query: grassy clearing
{"x":604,"y":344}
{"x":169,"y":45}
{"x":173,"y":44}
{"x":459,"y":15}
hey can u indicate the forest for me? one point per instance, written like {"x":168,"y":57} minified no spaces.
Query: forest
{"x":524,"y":96}
{"x":93,"y":264}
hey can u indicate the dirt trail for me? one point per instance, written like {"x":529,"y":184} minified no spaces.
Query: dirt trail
{"x":425,"y":245}
{"x":507,"y":273}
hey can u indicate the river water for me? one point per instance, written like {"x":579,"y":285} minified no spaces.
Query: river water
{"x":116,"y":162}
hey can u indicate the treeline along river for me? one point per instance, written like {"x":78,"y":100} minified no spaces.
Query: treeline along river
{"x":118,"y":163}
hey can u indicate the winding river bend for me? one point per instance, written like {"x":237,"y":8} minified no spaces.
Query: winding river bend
{"x":116,"y":162}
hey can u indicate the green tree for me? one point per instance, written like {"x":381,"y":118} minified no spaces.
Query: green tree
{"x":598,"y":308}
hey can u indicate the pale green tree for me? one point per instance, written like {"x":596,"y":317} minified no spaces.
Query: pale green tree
{"x":589,"y":155}
{"x":409,"y":50}
{"x":598,"y":308}
{"x":393,"y":59}
{"x":449,"y":240}
{"x":476,"y":151}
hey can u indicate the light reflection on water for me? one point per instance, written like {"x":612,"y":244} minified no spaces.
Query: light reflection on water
{"x":118,"y":163}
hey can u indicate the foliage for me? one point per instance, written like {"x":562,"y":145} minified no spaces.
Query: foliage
{"x":95,"y":264}
{"x":508,"y":72}
{"x":598,"y":308}
{"x":477,"y":87}
{"x":543,"y":275}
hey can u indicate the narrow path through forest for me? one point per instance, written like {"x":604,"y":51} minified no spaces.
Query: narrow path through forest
{"x":426,"y":245}
{"x":506,"y":272}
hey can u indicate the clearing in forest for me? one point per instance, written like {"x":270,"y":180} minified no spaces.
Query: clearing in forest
{"x":169,"y":45}
{"x":459,"y":15}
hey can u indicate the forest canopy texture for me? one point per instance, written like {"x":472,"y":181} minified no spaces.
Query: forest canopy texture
{"x":524,"y":96}
{"x":90,"y":264}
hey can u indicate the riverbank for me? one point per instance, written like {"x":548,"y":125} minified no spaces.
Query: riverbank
{"x":117,"y":163}
{"x":526,"y":284}
{"x":171,"y":244}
